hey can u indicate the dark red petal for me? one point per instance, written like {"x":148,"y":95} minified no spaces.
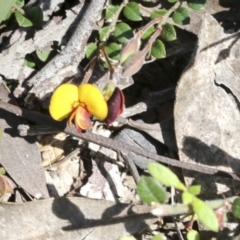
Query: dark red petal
{"x":115,"y":106}
{"x":82,"y":119}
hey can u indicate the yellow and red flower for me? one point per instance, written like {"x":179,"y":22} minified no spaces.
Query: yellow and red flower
{"x":81,"y":102}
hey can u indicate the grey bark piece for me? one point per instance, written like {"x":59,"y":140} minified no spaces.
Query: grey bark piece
{"x":206,"y":109}
{"x":20,"y":156}
{"x":72,"y":218}
{"x":137,"y":139}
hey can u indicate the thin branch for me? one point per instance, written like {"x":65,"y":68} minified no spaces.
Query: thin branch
{"x":110,"y":143}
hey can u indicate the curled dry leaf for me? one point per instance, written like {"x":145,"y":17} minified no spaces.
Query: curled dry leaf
{"x":6,"y":185}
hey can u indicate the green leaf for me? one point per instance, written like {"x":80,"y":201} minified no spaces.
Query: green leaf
{"x":110,"y":12}
{"x":197,"y":4}
{"x":20,"y":3}
{"x":193,"y":235}
{"x":158,"y":13}
{"x":104,"y":64}
{"x":181,"y":16}
{"x":8,"y":16}
{"x":22,"y":21}
{"x":187,"y":197}
{"x":2,"y":170}
{"x":91,"y":50}
{"x":123,"y":32}
{"x":103,"y":32}
{"x":205,"y":214}
{"x":35,"y":14}
{"x":150,"y":190}
{"x":172,"y":1}
{"x":29,"y":61}
{"x":158,"y":49}
{"x":168,"y":32}
{"x":158,"y":237}
{"x":113,"y":51}
{"x":148,"y":33}
{"x":5,"y":8}
{"x":165,"y":176}
{"x":43,"y":56}
{"x":236,"y":208}
{"x":132,"y":12}
{"x":194,"y":190}
{"x":127,"y":238}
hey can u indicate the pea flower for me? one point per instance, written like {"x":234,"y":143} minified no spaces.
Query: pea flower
{"x":79,"y":103}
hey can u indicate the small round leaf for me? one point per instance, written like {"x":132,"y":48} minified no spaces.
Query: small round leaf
{"x":22,"y":21}
{"x":197,"y":4}
{"x":172,"y":1}
{"x":103,"y":32}
{"x":110,"y":12}
{"x":91,"y":50}
{"x":236,"y":208}
{"x":158,"y":49}
{"x":20,"y":3}
{"x":113,"y":51}
{"x":195,"y":190}
{"x":187,"y":197}
{"x":193,"y":235}
{"x":35,"y":14}
{"x":165,"y":176}
{"x":158,"y":13}
{"x":43,"y":56}
{"x":205,"y":214}
{"x":181,"y":16}
{"x":132,"y":12}
{"x":29,"y":61}
{"x":168,"y":32}
{"x":123,"y":32}
{"x":150,"y":190}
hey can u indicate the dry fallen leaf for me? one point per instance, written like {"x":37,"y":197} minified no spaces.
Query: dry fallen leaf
{"x":20,"y":156}
{"x":72,"y":218}
{"x":206,"y":109}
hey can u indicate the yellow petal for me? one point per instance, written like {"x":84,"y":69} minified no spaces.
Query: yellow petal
{"x":62,"y":101}
{"x":92,"y":98}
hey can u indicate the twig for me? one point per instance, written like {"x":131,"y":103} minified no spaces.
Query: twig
{"x":72,"y":154}
{"x":131,"y":165}
{"x":26,"y":130}
{"x":168,"y":14}
{"x":110,"y":143}
{"x":162,"y":210}
{"x":114,"y":20}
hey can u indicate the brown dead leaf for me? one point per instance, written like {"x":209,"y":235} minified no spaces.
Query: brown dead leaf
{"x":72,"y":218}
{"x":207,"y":108}
{"x":20,"y":156}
